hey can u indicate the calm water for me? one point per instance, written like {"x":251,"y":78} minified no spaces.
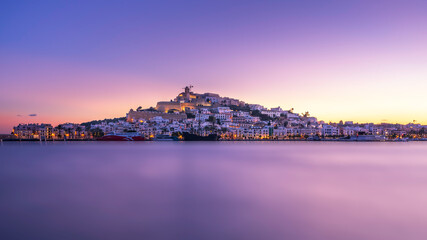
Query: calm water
{"x":244,"y":190}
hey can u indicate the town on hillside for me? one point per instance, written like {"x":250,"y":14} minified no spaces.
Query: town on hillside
{"x":228,"y":118}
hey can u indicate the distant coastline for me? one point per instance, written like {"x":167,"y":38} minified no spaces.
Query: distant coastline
{"x":229,"y":119}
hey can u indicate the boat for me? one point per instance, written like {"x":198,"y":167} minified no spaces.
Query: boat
{"x":400,"y":140}
{"x":129,"y":136}
{"x":314,"y":138}
{"x":368,"y":138}
{"x":163,"y":137}
{"x":195,"y":137}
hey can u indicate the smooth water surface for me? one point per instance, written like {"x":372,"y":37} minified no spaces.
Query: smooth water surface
{"x":224,"y":190}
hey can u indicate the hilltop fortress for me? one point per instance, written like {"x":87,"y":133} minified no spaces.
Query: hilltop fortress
{"x":185,"y":101}
{"x":189,"y":100}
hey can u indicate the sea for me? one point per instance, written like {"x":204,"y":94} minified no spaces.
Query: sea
{"x":213,"y":190}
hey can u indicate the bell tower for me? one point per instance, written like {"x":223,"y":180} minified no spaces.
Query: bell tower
{"x":187,"y":93}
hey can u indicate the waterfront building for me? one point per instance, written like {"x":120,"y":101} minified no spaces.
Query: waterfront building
{"x":328,"y":130}
{"x":33,"y":131}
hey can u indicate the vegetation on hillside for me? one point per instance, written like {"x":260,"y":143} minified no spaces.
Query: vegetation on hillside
{"x":108,"y":120}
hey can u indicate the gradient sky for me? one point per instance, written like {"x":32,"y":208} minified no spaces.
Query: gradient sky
{"x":75,"y":61}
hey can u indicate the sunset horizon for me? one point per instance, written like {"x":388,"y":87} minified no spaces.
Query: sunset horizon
{"x":361,"y":61}
{"x":121,"y":111}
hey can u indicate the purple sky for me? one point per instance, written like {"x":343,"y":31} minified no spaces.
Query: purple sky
{"x":74,"y":61}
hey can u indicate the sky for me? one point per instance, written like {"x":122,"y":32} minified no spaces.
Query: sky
{"x":76,"y":61}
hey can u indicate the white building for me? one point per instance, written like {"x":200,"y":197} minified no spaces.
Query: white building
{"x":272,"y":114}
{"x":328,"y":130}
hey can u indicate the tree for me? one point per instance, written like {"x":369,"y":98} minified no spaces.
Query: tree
{"x":240,"y":108}
{"x":87,"y":125}
{"x":139,"y":109}
{"x":190,"y":115}
{"x":97,"y":132}
{"x":263,"y":117}
{"x":176,"y":134}
{"x":212,"y":119}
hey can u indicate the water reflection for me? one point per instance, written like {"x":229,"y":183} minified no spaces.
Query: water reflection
{"x":244,"y":190}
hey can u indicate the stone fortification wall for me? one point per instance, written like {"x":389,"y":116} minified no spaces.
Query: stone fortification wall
{"x":134,"y":115}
